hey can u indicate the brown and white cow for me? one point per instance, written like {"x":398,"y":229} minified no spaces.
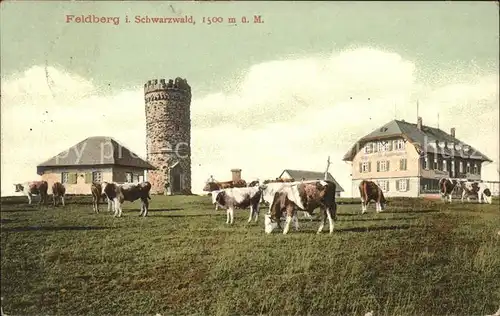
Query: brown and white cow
{"x":370,"y":191}
{"x":305,"y":196}
{"x":479,"y":189}
{"x":33,"y":188}
{"x":97,"y":195}
{"x":119,"y":193}
{"x":58,"y":191}
{"x":212,"y":186}
{"x":447,"y":187}
{"x":240,"y":198}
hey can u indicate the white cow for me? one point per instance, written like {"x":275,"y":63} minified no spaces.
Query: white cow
{"x":239,"y":198}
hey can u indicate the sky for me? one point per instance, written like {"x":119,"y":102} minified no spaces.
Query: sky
{"x":305,"y":84}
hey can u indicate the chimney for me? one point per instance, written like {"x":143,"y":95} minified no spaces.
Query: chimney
{"x":452,"y":132}
{"x":419,"y":123}
{"x":236,"y":174}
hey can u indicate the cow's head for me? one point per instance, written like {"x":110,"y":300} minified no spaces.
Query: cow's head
{"x":18,"y":187}
{"x":269,"y":225}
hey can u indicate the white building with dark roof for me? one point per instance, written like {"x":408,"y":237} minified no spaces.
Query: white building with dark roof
{"x":407,"y":159}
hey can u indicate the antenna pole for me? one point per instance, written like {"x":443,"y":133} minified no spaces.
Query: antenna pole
{"x":438,"y":120}
{"x":417,"y":110}
{"x":327,"y":166}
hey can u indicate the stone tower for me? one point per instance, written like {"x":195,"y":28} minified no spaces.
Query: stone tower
{"x":168,"y":135}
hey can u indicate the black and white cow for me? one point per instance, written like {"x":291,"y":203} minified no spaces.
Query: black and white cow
{"x":119,"y":193}
{"x":305,"y":196}
{"x":473,"y":188}
{"x":269,"y":190}
{"x":240,"y":198}
{"x":447,"y":187}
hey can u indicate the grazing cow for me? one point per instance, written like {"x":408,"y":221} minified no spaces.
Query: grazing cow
{"x":119,"y":193}
{"x":97,"y":196}
{"x":34,"y":188}
{"x":305,"y":196}
{"x":446,"y":187}
{"x":58,"y":191}
{"x":478,"y":189}
{"x":368,"y":191}
{"x":212,"y":186}
{"x":239,"y":198}
{"x":269,"y":190}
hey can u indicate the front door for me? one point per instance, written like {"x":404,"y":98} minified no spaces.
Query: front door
{"x":176,"y":183}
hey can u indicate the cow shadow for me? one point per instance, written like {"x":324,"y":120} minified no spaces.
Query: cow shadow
{"x":410,"y":211}
{"x":377,"y":219}
{"x":53,"y":228}
{"x":27,"y":209}
{"x":373,"y":229}
{"x":185,"y":215}
{"x":6,"y":220}
{"x":165,"y":210}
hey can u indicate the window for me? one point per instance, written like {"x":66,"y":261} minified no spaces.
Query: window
{"x":435,"y":163}
{"x":475,"y":169}
{"x":382,"y":166}
{"x":368,"y":148}
{"x":426,"y":163}
{"x":384,"y":185}
{"x":64,"y":177}
{"x":467,"y":169}
{"x":452,"y":168}
{"x":365,"y":167}
{"x":96,"y":176}
{"x":445,"y":167}
{"x":383,"y":146}
{"x":461,"y":167}
{"x":402,"y":185}
{"x":128,"y":176}
{"x":400,"y":144}
{"x":403,"y":164}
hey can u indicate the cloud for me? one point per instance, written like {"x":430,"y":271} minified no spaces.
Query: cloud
{"x":283,"y":114}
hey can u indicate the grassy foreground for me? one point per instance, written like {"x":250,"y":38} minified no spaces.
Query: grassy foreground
{"x":417,"y":258}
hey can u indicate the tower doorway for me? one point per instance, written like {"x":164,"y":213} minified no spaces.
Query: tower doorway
{"x":176,"y":183}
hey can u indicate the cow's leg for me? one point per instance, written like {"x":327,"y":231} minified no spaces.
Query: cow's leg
{"x":296,"y":221}
{"x":228,"y":217}
{"x":251,"y":214}
{"x":364,"y":205}
{"x":323,"y":220}
{"x":54,"y":199}
{"x":449,"y":198}
{"x":257,"y":212}
{"x":463,"y":195}
{"x":116,"y":207}
{"x":144,"y":207}
{"x":287,"y":224}
{"x":378,"y":207}
{"x":110,"y":205}
{"x":29,"y":198}
{"x":62,"y":200}
{"x":216,"y":206}
{"x":330,"y":219}
{"x":479,"y":197}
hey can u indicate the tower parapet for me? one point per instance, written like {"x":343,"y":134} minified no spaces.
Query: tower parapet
{"x":168,"y":134}
{"x":158,"y":90}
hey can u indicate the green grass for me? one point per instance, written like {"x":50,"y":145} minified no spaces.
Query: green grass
{"x":417,"y":258}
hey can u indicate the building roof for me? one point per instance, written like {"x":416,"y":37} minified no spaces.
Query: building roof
{"x":312,"y":175}
{"x":95,"y":151}
{"x":423,"y":140}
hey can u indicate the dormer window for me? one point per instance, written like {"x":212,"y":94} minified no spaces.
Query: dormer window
{"x":461,"y":167}
{"x":383,"y":129}
{"x":475,"y":169}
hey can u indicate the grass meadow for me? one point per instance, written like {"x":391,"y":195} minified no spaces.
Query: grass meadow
{"x":416,"y":258}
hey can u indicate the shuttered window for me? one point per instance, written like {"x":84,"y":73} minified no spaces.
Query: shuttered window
{"x":402,"y":185}
{"x":88,"y":177}
{"x":128,"y":177}
{"x":403,"y":164}
{"x":72,"y":177}
{"x":96,"y":176}
{"x":64,"y":177}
